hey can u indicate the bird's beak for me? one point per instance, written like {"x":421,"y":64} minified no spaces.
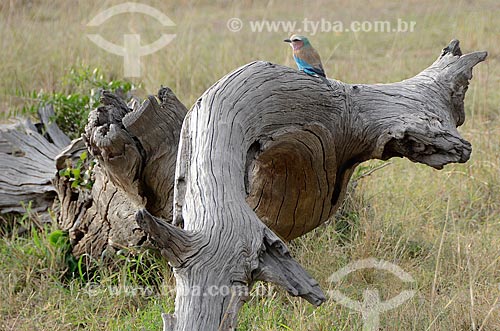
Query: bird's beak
{"x":287,"y":40}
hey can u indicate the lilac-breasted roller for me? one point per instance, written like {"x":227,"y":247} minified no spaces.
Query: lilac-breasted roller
{"x":305,"y":56}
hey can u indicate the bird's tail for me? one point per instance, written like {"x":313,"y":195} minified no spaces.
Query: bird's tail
{"x":326,"y":81}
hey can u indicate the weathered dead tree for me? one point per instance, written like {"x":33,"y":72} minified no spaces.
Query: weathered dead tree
{"x":270,"y":150}
{"x":264,"y":155}
{"x":27,"y":153}
{"x":136,"y":149}
{"x":100,"y":221}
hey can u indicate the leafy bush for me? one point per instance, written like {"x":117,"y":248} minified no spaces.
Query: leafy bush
{"x":81,"y":90}
{"x":80,"y":174}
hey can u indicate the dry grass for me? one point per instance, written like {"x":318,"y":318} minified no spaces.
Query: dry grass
{"x":443,"y":227}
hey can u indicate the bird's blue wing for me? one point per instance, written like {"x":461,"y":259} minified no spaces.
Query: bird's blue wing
{"x":314,"y":70}
{"x":301,"y":64}
{"x":307,"y":68}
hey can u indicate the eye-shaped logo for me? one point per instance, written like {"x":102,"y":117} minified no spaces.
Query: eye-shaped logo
{"x":131,"y":49}
{"x":371,"y":307}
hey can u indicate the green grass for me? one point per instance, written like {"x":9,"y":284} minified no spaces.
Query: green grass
{"x":443,"y":227}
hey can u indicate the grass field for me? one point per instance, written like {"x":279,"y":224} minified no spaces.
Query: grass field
{"x":442,"y":227}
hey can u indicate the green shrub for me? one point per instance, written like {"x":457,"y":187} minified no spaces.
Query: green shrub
{"x":80,"y":174}
{"x":80,"y":93}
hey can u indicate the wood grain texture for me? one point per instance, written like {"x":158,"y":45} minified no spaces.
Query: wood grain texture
{"x":264,"y":155}
{"x":100,"y":221}
{"x":27,"y":165}
{"x":268,"y":147}
{"x":135,"y":146}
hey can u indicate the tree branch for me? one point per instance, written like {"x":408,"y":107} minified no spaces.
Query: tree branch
{"x":176,"y":244}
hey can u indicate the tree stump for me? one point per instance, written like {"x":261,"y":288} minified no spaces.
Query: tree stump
{"x":265,"y":155}
{"x":136,"y":150}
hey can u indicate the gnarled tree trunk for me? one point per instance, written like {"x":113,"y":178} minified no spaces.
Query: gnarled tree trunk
{"x":263,"y":156}
{"x":270,"y":150}
{"x":136,"y":149}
